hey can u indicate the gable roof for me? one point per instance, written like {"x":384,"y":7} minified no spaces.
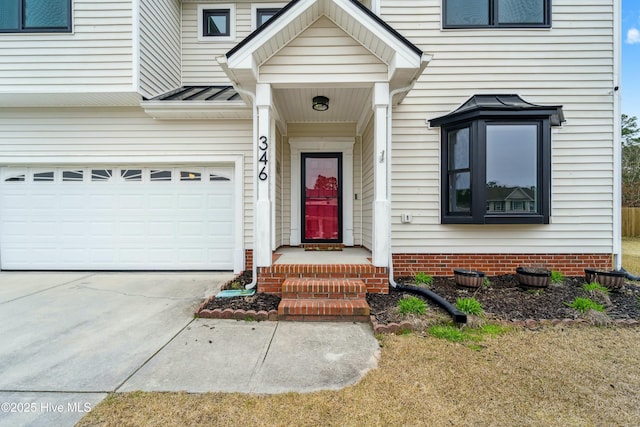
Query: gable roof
{"x":405,"y":61}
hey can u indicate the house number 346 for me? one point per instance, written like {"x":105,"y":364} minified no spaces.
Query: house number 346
{"x":262,"y":161}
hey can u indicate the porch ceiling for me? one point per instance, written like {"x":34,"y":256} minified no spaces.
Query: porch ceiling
{"x":345,"y":104}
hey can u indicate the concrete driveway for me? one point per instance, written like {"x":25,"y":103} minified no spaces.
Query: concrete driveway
{"x":69,"y":339}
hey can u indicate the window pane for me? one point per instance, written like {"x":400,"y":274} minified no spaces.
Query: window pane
{"x":467,"y":12}
{"x":216,"y":22}
{"x":190,"y":176}
{"x":131,"y":174}
{"x":43,"y":176}
{"x":73,"y":175}
{"x":512,"y":168}
{"x":9,"y":16}
{"x":459,"y":149}
{"x":160,"y":175}
{"x":521,"y":11}
{"x":460,"y":192}
{"x":46,"y":13}
{"x":101,"y":174}
{"x":264,"y":15}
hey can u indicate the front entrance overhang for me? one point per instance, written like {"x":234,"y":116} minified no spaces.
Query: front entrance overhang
{"x":334,"y":48}
{"x":404,"y":61}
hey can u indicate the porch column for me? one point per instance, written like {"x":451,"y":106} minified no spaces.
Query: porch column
{"x":263,"y":149}
{"x":381,"y":203}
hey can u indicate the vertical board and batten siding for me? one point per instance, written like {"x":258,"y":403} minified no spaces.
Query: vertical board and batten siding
{"x":159,"y":47}
{"x":96,"y":57}
{"x":367,"y":185}
{"x":128,"y":134}
{"x":323,"y":53}
{"x":570,"y":64}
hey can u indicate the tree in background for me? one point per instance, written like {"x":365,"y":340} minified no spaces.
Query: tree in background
{"x":630,"y":161}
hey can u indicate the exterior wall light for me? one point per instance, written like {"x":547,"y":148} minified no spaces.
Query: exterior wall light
{"x":320,"y":103}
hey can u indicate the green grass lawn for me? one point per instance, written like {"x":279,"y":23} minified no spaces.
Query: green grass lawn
{"x":631,"y":254}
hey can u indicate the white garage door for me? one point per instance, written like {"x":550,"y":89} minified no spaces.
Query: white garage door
{"x":116,"y":218}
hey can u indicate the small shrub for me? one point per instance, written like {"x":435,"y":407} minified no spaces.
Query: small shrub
{"x":595,"y":287}
{"x":412,"y":305}
{"x":423,"y":279}
{"x":469,"y":306}
{"x":236,"y":285}
{"x":557,"y":277}
{"x":486,"y":281}
{"x":584,"y":304}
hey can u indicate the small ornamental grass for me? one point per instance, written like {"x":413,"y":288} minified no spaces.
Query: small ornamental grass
{"x":469,"y":306}
{"x":412,"y":305}
{"x":557,"y":277}
{"x":595,"y":287}
{"x":583,"y":305}
{"x":422,"y":278}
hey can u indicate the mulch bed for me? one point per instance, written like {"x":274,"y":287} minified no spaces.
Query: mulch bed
{"x":502,"y":300}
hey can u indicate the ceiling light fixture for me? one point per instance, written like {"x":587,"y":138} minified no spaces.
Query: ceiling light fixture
{"x":320,"y":103}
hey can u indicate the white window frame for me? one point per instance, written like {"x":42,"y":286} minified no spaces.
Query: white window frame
{"x":256,"y":6}
{"x":232,"y":22}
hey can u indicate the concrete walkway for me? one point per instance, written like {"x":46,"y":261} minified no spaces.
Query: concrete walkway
{"x":69,"y":339}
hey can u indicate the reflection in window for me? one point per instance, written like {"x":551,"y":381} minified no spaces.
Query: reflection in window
{"x":73,"y":175}
{"x":214,"y":177}
{"x":459,"y":171}
{"x":101,"y":174}
{"x":43,"y":176}
{"x":131,"y":174}
{"x":264,"y":14}
{"x":160,"y":175}
{"x":497,"y":13}
{"x":512,"y":171}
{"x":15,"y":178}
{"x":190,"y":176}
{"x":216,"y":22}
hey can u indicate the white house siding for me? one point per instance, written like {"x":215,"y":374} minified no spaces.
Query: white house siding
{"x":367,"y":186}
{"x":570,"y":64}
{"x":323,"y":53}
{"x":96,"y":57}
{"x":121,"y":135}
{"x":159,"y":46}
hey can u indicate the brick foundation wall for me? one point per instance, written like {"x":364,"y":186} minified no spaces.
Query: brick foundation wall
{"x":496,"y":264}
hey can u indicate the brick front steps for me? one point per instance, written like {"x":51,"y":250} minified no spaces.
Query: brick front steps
{"x":271,"y":279}
{"x":317,"y":299}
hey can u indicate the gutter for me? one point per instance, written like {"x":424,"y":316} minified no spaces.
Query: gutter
{"x":223,"y":63}
{"x":457,"y":315}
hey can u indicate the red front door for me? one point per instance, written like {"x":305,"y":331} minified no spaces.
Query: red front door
{"x":322,"y":197}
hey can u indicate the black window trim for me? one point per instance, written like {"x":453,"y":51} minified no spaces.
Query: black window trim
{"x":21,"y":30}
{"x":216,"y":12}
{"x":262,"y":10}
{"x":493,"y":19}
{"x":477,"y":161}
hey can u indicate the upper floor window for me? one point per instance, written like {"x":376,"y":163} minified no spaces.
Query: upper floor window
{"x":35,"y":16}
{"x":496,"y":13}
{"x":496,"y":161}
{"x":262,"y":12}
{"x":216,"y":22}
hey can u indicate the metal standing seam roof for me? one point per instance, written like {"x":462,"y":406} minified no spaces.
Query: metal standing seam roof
{"x":499,"y":104}
{"x":200,"y":93}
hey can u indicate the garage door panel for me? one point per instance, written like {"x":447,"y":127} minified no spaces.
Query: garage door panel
{"x":116,"y":223}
